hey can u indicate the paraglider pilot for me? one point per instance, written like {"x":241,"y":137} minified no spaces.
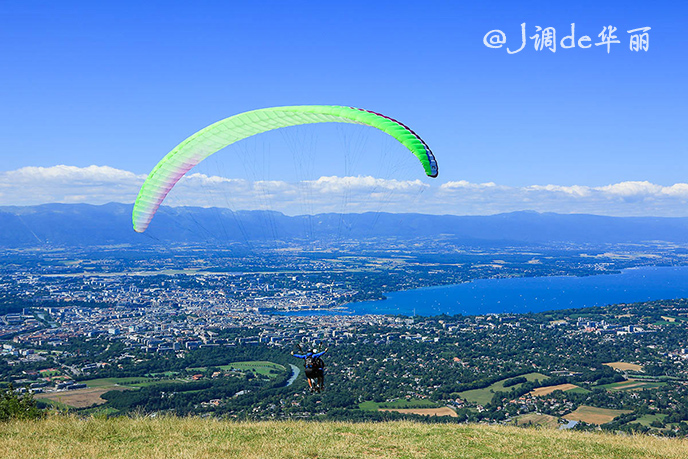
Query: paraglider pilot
{"x":314,"y":368}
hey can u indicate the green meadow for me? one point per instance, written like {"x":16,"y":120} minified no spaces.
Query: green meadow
{"x":398,"y":404}
{"x":260,"y":367}
{"x":484,"y":396}
{"x":62,"y":437}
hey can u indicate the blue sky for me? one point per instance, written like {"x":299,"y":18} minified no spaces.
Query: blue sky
{"x":120,"y":84}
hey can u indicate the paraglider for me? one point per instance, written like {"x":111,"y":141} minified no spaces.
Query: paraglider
{"x":223,"y":133}
{"x":314,"y":368}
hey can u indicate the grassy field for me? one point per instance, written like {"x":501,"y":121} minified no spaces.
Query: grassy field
{"x":82,"y":398}
{"x":443,"y":411}
{"x":191,"y":438}
{"x":669,"y":320}
{"x":110,"y":382}
{"x":623,"y":366}
{"x":593,"y":415}
{"x":632,"y":384}
{"x":91,"y":395}
{"x":127,"y":383}
{"x":579,"y":390}
{"x":257,"y":366}
{"x":541,"y":420}
{"x":262,"y":368}
{"x":54,"y":403}
{"x":484,"y":396}
{"x":79,"y":398}
{"x":49,"y":372}
{"x":648,"y":419}
{"x":399,"y":404}
{"x":542,"y":391}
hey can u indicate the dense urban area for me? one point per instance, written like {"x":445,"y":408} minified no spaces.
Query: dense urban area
{"x":185,"y":329}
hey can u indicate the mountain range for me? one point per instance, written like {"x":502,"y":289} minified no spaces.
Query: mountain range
{"x":84,"y":225}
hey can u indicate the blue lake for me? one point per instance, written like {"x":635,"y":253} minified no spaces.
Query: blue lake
{"x":532,"y":294}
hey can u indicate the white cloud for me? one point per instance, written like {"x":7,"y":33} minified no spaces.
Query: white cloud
{"x":678,"y":190}
{"x":463,"y":184}
{"x":62,"y":173}
{"x":68,"y":184}
{"x":634,"y":190}
{"x":101,"y":184}
{"x":212,"y":180}
{"x":575,"y":190}
{"x":336,"y":184}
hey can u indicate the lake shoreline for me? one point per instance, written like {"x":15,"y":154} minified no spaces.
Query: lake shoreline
{"x":519,"y":295}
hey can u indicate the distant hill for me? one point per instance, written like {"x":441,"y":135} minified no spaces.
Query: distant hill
{"x":84,"y":224}
{"x":59,"y":437}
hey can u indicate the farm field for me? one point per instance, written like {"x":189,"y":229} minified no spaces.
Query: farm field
{"x":623,"y":366}
{"x":484,"y":396}
{"x":542,"y":391}
{"x":79,"y":398}
{"x":444,"y":411}
{"x":593,"y":415}
{"x":632,"y":384}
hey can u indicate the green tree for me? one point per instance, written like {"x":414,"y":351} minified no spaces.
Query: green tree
{"x":17,"y":406}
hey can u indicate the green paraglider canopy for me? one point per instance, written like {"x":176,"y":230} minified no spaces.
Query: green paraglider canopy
{"x":219,"y":135}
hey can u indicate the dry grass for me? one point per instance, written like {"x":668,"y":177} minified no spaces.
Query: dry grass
{"x":593,"y":415}
{"x":444,"y":411}
{"x":79,"y":398}
{"x":61,"y":437}
{"x":533,"y":419}
{"x":541,"y":391}
{"x":624,"y":366}
{"x":632,"y":385}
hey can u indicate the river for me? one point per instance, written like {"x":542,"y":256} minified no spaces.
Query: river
{"x":294,"y":374}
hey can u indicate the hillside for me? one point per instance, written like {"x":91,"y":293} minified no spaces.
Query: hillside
{"x":68,"y":437}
